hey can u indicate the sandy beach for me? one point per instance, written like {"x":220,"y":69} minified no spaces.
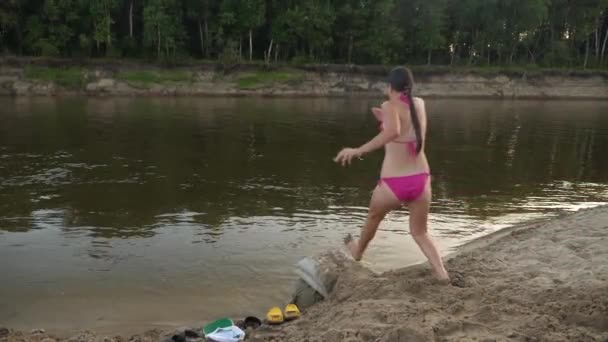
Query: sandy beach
{"x":544,"y":281}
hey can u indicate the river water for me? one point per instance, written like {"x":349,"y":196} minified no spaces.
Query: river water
{"x":125,"y":214}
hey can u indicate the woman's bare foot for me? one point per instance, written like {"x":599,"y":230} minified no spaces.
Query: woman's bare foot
{"x":443,"y":281}
{"x":352,"y":246}
{"x":443,"y":277}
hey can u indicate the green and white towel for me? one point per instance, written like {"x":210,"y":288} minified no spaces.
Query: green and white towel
{"x":223,"y":330}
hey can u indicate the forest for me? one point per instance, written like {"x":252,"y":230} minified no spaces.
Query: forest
{"x":529,"y":33}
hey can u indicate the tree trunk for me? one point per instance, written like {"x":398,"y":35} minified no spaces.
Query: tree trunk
{"x":19,"y":39}
{"x":158,"y":42}
{"x":452,"y":53}
{"x":454,"y":49}
{"x":428,"y":57}
{"x":240,"y":49}
{"x":276,"y":54}
{"x":586,"y":54}
{"x":109,"y":31}
{"x":597,"y":42}
{"x":350,"y":49}
{"x":131,"y":19}
{"x":200,"y":35}
{"x":604,"y":47}
{"x":207,"y":37}
{"x":489,"y":50}
{"x":573,"y":46}
{"x":532,"y":57}
{"x":250,"y":45}
{"x":268,"y":54}
{"x":512,"y":54}
{"x":472,"y":49}
{"x":552,"y":40}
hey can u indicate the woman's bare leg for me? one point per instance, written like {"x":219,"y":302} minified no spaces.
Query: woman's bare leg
{"x":382,"y":202}
{"x":419,"y":212}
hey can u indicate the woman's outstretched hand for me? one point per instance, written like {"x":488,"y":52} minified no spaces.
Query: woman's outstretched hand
{"x":346,"y":156}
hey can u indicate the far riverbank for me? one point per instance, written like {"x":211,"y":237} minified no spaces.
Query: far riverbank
{"x":63,"y":77}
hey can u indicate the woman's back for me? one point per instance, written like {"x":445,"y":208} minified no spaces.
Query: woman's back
{"x":401,"y":158}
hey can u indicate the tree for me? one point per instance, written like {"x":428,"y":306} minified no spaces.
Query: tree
{"x":251,"y":15}
{"x":280,"y":36}
{"x":490,"y":32}
{"x":101,"y":13}
{"x":9,"y":18}
{"x":163,"y":28}
{"x":128,"y":16}
{"x":427,"y":22}
{"x":383,"y":42}
{"x":478,"y":26}
{"x":584,"y":22}
{"x":310,"y":23}
{"x":605,"y":41}
{"x":350,"y":25}
{"x":133,"y":4}
{"x":199,"y":11}
{"x":523,"y":19}
{"x":230,"y":29}
{"x":51,"y":32}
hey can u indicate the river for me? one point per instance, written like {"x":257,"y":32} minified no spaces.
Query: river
{"x":125,"y":214}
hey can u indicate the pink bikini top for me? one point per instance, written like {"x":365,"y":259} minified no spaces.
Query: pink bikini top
{"x":410,"y":145}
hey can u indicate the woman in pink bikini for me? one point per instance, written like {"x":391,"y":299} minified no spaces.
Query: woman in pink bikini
{"x":405,"y":177}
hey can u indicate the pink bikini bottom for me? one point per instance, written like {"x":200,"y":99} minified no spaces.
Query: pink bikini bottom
{"x":407,"y":188}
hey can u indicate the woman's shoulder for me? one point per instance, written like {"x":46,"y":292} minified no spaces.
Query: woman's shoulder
{"x":419,"y":103}
{"x":418,"y":99}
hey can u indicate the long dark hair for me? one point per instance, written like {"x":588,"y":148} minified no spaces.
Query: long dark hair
{"x":401,"y":80}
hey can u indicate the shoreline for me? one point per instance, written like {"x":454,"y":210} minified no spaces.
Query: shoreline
{"x":541,"y":280}
{"x":24,"y":77}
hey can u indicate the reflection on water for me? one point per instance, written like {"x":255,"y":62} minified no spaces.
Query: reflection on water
{"x":136,"y":213}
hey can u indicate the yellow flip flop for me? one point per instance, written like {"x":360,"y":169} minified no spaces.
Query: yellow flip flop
{"x":275,"y":316}
{"x":292,"y":312}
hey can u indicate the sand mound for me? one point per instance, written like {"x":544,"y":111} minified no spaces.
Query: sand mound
{"x":542,"y":282}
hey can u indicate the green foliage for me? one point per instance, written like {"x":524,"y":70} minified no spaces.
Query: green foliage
{"x":129,"y":46}
{"x":384,"y":38}
{"x":9,"y":15}
{"x":101,"y":12}
{"x":163,"y":29}
{"x":230,"y":55}
{"x":351,"y":25}
{"x":199,"y":11}
{"x":60,"y":17}
{"x":251,"y":13}
{"x":309,"y":23}
{"x":457,"y":32}
{"x":427,"y":22}
{"x":71,"y":78}
{"x":85,"y":44}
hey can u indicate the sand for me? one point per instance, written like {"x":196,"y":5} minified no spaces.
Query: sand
{"x":545,"y":281}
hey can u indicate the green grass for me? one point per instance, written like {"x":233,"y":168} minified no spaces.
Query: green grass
{"x":266,"y":78}
{"x":71,"y":78}
{"x":147,"y":78}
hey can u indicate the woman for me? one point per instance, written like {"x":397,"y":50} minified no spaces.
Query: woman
{"x":405,"y":175}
